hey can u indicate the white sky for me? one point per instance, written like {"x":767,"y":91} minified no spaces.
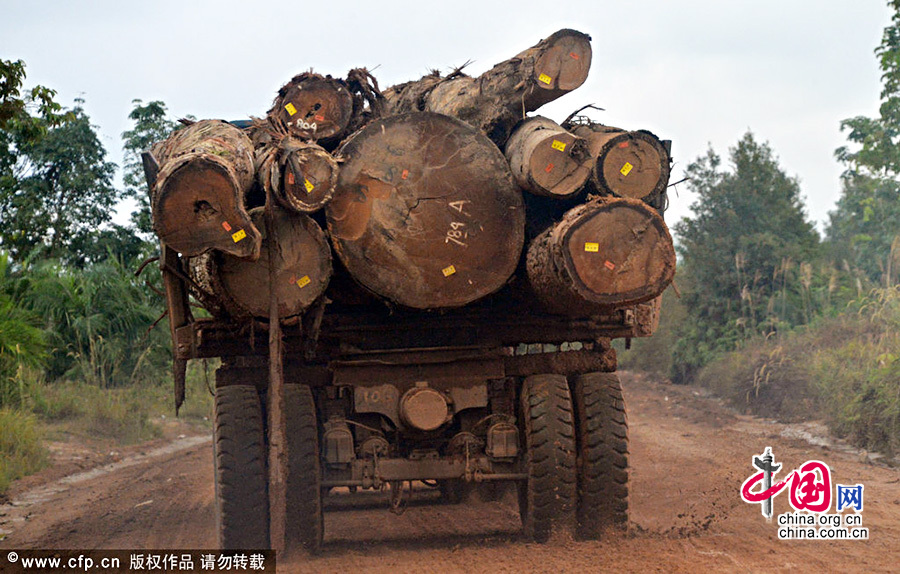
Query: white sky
{"x":698,"y":72}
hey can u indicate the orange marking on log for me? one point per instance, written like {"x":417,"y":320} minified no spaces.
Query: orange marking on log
{"x":609,"y":265}
{"x":226,"y":226}
{"x":574,"y":55}
{"x":549,"y":168}
{"x":623,"y":144}
{"x":405,"y":174}
{"x":319,"y":118}
{"x":290,"y":180}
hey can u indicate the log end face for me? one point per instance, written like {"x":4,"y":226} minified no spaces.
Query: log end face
{"x":562,"y":66}
{"x":309,"y":186}
{"x":426,"y":213}
{"x":559,"y":166}
{"x":633,"y":165}
{"x":197,"y":208}
{"x":620,"y":254}
{"x":314,"y":108}
{"x":303,"y":269}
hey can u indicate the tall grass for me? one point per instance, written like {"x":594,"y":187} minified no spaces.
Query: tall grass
{"x":21,"y":451}
{"x":844,"y":369}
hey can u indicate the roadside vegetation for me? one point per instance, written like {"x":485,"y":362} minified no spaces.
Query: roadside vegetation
{"x":782,"y":322}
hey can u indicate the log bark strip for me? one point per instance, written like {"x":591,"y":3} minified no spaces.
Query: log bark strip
{"x":426,"y":213}
{"x":547,"y":160}
{"x":611,"y":252}
{"x":197,"y":204}
{"x":628,"y":164}
{"x":302,"y":270}
{"x":314,"y":107}
{"x":499,"y":98}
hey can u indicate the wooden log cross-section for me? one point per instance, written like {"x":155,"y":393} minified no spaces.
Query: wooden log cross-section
{"x":302,"y":270}
{"x":499,"y":98}
{"x":314,"y":107}
{"x":300,"y":175}
{"x":627,"y":164}
{"x":547,"y":160}
{"x":426,"y":213}
{"x":197,"y":202}
{"x":608,"y":253}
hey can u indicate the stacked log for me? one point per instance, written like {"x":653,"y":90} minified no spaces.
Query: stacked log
{"x":608,"y":253}
{"x":631,"y":164}
{"x":197,"y":201}
{"x":299,"y":174}
{"x":422,"y":208}
{"x":498,"y":99}
{"x":241,"y":288}
{"x":426,"y":213}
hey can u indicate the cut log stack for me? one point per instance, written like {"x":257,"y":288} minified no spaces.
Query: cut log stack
{"x":431,"y":194}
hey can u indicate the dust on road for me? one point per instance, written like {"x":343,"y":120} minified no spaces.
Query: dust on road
{"x":689,"y":457}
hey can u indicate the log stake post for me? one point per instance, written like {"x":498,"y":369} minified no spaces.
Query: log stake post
{"x":278,"y":454}
{"x":176,"y":292}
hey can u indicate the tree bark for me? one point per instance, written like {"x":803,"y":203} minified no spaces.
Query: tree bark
{"x":426,"y":213}
{"x":314,"y":107}
{"x":302,"y":270}
{"x":547,"y":160}
{"x":628,"y":164}
{"x":300,"y":175}
{"x":197,"y":204}
{"x":499,"y":98}
{"x":608,"y":253}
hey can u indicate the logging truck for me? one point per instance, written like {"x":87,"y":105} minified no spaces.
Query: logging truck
{"x":390,"y":308}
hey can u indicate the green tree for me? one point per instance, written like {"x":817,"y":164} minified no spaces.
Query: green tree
{"x":150,"y":126}
{"x":745,"y":254}
{"x":864,"y":229}
{"x":61,"y":192}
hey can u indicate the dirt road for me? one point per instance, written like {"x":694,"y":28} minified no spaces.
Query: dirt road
{"x":689,"y":458}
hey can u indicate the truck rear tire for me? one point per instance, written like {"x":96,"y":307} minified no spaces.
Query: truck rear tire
{"x":547,"y":497}
{"x":305,"y":523}
{"x":242,"y":499}
{"x":602,"y":437}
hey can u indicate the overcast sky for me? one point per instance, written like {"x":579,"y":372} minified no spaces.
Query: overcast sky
{"x":698,"y":72}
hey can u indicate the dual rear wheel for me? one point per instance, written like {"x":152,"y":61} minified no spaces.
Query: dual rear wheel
{"x":576,"y":449}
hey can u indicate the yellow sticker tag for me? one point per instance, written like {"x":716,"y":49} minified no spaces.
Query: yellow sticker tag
{"x":309,"y":187}
{"x":238,"y":235}
{"x":558,"y":145}
{"x":592,"y":247}
{"x":303,"y":281}
{"x":448,"y":271}
{"x":626,"y":169}
{"x":291,"y":110}
{"x":545,"y":78}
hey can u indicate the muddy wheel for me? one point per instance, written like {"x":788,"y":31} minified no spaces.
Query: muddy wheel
{"x":242,"y":502}
{"x":305,"y":526}
{"x":602,"y":438}
{"x":547,"y":497}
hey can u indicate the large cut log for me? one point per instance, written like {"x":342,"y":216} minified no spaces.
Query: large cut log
{"x":197,"y":203}
{"x":610,"y":252}
{"x":241,"y":287}
{"x":628,"y":164}
{"x":314,"y":107}
{"x":499,"y":98}
{"x":426,"y":213}
{"x":547,"y":160}
{"x":300,"y":175}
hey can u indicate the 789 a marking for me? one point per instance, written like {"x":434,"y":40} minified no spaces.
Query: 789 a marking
{"x":457,"y":232}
